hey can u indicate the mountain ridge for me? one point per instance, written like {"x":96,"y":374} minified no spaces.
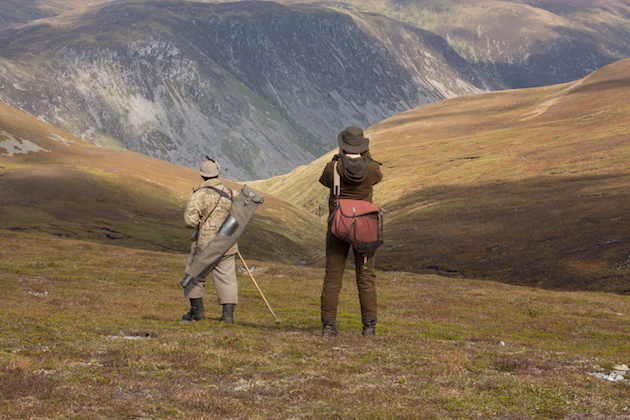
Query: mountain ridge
{"x":179,"y":80}
{"x":521,"y":43}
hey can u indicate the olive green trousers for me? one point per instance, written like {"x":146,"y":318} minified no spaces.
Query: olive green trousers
{"x":336,"y":258}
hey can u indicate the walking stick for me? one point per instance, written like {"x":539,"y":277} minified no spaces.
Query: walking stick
{"x":256,"y":284}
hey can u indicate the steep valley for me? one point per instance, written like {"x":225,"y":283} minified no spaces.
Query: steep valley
{"x":504,"y":279}
{"x":262,"y":86}
{"x":525,"y":186}
{"x":522,"y":43}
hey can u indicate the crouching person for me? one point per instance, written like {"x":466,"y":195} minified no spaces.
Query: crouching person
{"x":206,"y":211}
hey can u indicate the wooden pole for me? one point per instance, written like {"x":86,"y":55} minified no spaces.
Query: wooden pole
{"x":256,"y":284}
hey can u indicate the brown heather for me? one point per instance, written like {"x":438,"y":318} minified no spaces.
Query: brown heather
{"x":91,"y":331}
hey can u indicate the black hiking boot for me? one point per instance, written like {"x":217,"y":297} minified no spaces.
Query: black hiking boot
{"x":369,"y":327}
{"x":196,"y":311}
{"x":329,"y":327}
{"x":228,"y":313}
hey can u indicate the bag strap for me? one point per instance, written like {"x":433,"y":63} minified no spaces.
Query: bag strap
{"x":336,"y":183}
{"x":222,"y":194}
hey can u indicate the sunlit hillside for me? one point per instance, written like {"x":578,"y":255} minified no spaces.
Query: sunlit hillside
{"x":525,"y":186}
{"x":52,"y":182}
{"x":15,"y":13}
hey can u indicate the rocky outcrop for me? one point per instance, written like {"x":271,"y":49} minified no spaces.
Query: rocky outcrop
{"x":262,"y":87}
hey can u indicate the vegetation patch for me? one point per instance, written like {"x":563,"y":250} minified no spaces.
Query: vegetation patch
{"x":92,"y":331}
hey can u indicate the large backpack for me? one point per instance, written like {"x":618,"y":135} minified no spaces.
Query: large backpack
{"x":357,"y":222}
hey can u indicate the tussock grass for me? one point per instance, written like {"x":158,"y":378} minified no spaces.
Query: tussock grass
{"x":91,"y":331}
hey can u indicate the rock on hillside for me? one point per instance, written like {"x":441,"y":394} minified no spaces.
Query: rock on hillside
{"x":261,"y":86}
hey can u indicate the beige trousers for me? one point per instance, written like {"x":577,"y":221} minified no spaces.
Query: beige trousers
{"x":223,"y":277}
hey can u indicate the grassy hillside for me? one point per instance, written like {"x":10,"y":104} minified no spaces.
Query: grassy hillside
{"x":525,"y":186}
{"x":301,"y":186}
{"x":91,"y":331}
{"x":54,"y":183}
{"x":15,"y":13}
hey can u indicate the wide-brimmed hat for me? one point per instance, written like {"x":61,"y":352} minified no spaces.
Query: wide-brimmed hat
{"x":210,"y":168}
{"x":351,"y":140}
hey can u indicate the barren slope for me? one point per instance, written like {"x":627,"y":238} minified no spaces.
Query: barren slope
{"x":16,"y":13}
{"x":523,"y":43}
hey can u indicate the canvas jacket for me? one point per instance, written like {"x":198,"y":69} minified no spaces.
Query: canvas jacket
{"x":358,"y":176}
{"x":198,"y":209}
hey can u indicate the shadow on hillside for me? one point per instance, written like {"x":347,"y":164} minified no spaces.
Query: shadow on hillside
{"x":73,"y":204}
{"x":570,"y":233}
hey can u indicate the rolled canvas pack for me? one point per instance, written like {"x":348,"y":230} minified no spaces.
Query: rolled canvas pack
{"x":243,"y":208}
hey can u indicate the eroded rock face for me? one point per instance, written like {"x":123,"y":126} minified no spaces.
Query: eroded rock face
{"x":262,"y":87}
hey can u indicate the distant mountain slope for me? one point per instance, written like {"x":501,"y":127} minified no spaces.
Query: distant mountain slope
{"x":54,"y":183}
{"x":523,"y":43}
{"x":264,"y":87}
{"x":525,"y":186}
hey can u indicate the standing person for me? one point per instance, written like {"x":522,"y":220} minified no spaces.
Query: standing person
{"x":206,"y":210}
{"x":359,"y":173}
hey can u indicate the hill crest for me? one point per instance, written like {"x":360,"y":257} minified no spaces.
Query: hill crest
{"x":526,"y":186}
{"x":54,"y":183}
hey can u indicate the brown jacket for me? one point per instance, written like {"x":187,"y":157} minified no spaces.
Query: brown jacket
{"x":358,"y":176}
